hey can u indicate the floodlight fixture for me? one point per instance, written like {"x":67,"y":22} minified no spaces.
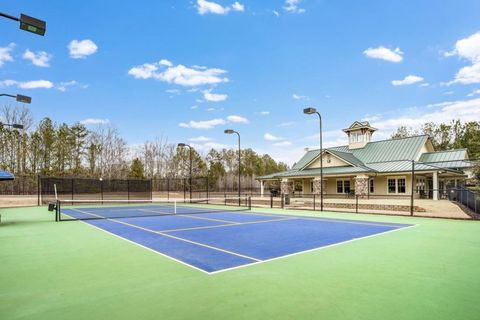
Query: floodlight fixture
{"x":28,"y":23}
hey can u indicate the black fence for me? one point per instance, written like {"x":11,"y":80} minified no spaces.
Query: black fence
{"x":467,"y":197}
{"x":93,"y":189}
{"x":22,"y":185}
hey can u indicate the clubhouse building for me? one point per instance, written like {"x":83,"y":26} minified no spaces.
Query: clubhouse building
{"x":375,"y":168}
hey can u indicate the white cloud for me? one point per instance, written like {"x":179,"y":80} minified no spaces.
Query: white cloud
{"x":264,"y":113}
{"x":270,"y":137}
{"x":463,"y":110}
{"x":276,"y":13}
{"x":62,"y":86}
{"x":165,"y":62}
{"x":94,"y":121}
{"x":35,"y":84}
{"x":82,"y":49}
{"x":286,"y":124}
{"x":425,"y":84}
{"x":410,"y":79}
{"x":211,"y":109}
{"x":469,"y":49}
{"x":39,"y":58}
{"x":237,"y":6}
{"x":474,"y":92}
{"x":207,"y":146}
{"x":205,"y":7}
{"x":282,"y":144}
{"x":299,"y":97}
{"x":292,"y":6}
{"x":193,"y":107}
{"x":207,"y":124}
{"x":467,"y":75}
{"x":214,"y":97}
{"x":5,"y":53}
{"x":180,"y":74}
{"x":237,"y":119}
{"x":200,"y":139}
{"x":384,"y":54}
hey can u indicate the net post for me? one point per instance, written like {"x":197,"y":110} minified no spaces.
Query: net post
{"x":174,"y":206}
{"x":57,"y":211}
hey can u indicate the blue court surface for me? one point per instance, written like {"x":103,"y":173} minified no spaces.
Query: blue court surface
{"x":218,"y":241}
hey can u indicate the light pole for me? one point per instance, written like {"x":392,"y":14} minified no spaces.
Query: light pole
{"x":18,"y":97}
{"x":230,"y":131}
{"x":311,"y":110}
{"x":13,"y":125}
{"x":182,"y":145}
{"x":28,"y":23}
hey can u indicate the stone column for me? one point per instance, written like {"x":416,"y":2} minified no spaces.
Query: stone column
{"x":286,"y":186}
{"x":318,"y":186}
{"x":361,"y":185}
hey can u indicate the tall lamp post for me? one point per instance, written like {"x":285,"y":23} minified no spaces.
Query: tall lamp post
{"x":230,"y":131}
{"x":13,"y":125}
{"x":18,"y":97}
{"x":28,"y":23}
{"x":311,"y":110}
{"x":182,"y":145}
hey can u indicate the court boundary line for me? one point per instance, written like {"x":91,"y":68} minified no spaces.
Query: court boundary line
{"x":313,"y":249}
{"x":227,"y":225}
{"x":180,"y":239}
{"x":399,"y":228}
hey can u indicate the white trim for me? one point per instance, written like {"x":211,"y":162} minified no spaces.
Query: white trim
{"x":396,"y":178}
{"x":343,"y":185}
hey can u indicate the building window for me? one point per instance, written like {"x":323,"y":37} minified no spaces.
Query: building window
{"x":396,"y":185}
{"x":371,"y":186}
{"x":391,"y":186}
{"x":401,"y":185}
{"x":343,"y":186}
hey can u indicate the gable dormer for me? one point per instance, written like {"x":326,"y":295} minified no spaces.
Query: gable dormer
{"x":359,"y":134}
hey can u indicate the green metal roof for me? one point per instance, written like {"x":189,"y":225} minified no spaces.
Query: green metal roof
{"x":385,"y":156}
{"x":449,"y":155}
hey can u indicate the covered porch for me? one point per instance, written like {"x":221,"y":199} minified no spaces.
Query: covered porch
{"x":432,"y":185}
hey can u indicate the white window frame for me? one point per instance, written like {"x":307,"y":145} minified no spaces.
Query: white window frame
{"x":396,"y":178}
{"x":343,"y":185}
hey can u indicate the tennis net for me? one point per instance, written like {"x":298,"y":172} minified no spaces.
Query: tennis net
{"x":114,"y":209}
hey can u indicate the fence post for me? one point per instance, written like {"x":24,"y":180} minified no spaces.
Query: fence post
{"x":101,"y":188}
{"x":168,"y":189}
{"x":72,"y":188}
{"x":151,"y":189}
{"x":271,"y":200}
{"x":356,"y":203}
{"x":413,"y":187}
{"x":283,"y":201}
{"x":184,"y":190}
{"x":206,"y":178}
{"x":314,"y":202}
{"x":38,"y":190}
{"x":128,"y":190}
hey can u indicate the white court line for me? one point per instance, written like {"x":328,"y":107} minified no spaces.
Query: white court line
{"x":227,"y":225}
{"x":204,"y":218}
{"x":178,"y":238}
{"x":361,"y":222}
{"x":311,"y":250}
{"x":257,"y":260}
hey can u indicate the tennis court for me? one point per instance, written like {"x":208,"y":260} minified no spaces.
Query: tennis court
{"x":213,"y":237}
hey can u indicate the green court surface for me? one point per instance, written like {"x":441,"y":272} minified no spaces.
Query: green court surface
{"x":70,"y":270}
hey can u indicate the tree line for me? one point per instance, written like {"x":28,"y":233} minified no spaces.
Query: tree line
{"x":60,"y":149}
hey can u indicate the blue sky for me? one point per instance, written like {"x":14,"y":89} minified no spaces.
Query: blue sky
{"x":187,"y":70}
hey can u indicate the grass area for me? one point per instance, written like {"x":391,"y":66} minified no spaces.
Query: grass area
{"x":69,"y":270}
